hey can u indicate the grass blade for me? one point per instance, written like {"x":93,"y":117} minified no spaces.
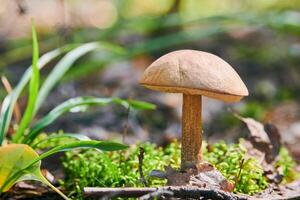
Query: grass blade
{"x":34,"y":165}
{"x":61,"y":68}
{"x":61,"y":136}
{"x":9,"y":90}
{"x":33,"y":90}
{"x":101,"y":145}
{"x":138,"y":105}
{"x":77,"y":103}
{"x":10,"y":100}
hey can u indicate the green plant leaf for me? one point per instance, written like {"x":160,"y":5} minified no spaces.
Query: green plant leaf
{"x":20,"y":162}
{"x":61,"y":68}
{"x":141,"y":105}
{"x":16,"y":164}
{"x":62,"y":136}
{"x":33,"y":89}
{"x":67,"y":62}
{"x":10,"y":100}
{"x":71,"y":104}
{"x":101,"y":145}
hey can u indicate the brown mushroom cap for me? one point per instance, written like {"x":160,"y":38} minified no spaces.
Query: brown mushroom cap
{"x":195,"y":73}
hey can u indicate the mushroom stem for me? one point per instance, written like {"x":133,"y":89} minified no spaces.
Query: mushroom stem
{"x":191,"y":131}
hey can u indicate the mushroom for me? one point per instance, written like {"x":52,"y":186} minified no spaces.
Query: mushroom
{"x":194,"y":73}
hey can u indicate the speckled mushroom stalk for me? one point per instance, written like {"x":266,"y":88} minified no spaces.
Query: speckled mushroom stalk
{"x":191,"y":130}
{"x":194,"y":74}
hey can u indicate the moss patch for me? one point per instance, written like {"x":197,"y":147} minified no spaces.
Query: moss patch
{"x":119,"y":169}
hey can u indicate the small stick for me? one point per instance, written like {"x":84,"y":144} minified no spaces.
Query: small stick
{"x":9,"y":90}
{"x":141,"y":158}
{"x":183,"y":192}
{"x":237,"y":178}
{"x":235,"y":114}
{"x":156,"y":194}
{"x":117,"y":192}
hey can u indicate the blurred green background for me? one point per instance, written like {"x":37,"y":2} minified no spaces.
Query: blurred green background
{"x":260,"y":39}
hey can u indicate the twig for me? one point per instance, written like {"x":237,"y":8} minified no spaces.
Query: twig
{"x":141,"y":159}
{"x":116,"y":192}
{"x":158,"y":193}
{"x":235,"y":114}
{"x":9,"y":90}
{"x":237,"y":178}
{"x":183,"y":192}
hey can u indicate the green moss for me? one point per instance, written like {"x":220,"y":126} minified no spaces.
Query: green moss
{"x":228,"y":160}
{"x":286,"y":165}
{"x":119,"y":169}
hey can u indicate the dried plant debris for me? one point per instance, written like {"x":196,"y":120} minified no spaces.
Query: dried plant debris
{"x":265,"y":145}
{"x":265,"y":138}
{"x":288,"y":191}
{"x":166,"y":192}
{"x":211,"y":178}
{"x":205,"y":175}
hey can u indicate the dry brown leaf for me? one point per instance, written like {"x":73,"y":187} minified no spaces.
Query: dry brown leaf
{"x":204,"y":176}
{"x":265,"y":138}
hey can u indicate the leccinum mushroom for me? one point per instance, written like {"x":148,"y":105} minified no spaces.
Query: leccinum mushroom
{"x":194,"y":73}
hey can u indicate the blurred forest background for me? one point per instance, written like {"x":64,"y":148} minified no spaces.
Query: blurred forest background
{"x":260,"y":39}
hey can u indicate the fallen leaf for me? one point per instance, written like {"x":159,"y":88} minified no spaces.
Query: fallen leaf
{"x":209,"y":176}
{"x":275,"y":139}
{"x":14,"y":167}
{"x":204,"y":175}
{"x":265,"y":138}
